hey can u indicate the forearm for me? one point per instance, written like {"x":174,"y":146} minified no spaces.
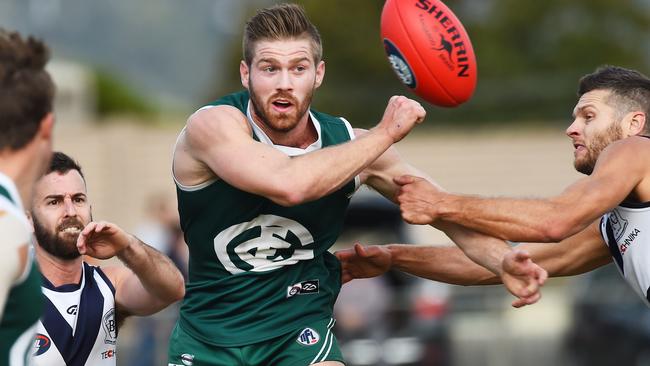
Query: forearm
{"x":440,"y":263}
{"x":482,"y":249}
{"x":156,"y":272}
{"x":526,"y":220}
{"x":316,"y":174}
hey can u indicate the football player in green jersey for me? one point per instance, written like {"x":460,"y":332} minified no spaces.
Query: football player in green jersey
{"x":263,"y":182}
{"x":26,"y":121}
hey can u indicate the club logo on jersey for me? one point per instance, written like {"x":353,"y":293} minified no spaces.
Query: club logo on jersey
{"x":187,"y":359}
{"x":308,"y":337}
{"x":265,"y":243}
{"x":41,"y":344}
{"x":110,"y":327}
{"x":618,"y":223}
{"x":303,"y":288}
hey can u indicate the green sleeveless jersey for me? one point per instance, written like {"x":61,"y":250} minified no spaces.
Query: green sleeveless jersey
{"x":23,"y":306}
{"x":258,"y":270}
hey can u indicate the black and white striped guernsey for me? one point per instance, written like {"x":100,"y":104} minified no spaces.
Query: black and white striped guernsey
{"x":626,"y":230}
{"x":78,"y":325}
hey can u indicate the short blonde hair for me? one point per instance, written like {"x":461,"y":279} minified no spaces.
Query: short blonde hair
{"x":283,"y":21}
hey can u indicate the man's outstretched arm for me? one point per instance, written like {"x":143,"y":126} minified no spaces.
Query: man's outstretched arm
{"x":618,"y":171}
{"x":148,"y":283}
{"x":482,"y":249}
{"x":580,"y":253}
{"x":220,"y":139}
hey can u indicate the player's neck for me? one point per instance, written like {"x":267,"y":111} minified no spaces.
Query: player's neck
{"x":58,"y":271}
{"x":18,"y":166}
{"x":301,"y":136}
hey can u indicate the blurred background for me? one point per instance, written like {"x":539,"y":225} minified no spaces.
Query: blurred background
{"x":130,"y":72}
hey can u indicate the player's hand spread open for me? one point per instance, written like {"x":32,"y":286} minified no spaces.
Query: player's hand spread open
{"x":522,"y":277}
{"x":363,"y":262}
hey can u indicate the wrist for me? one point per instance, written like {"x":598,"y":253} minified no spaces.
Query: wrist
{"x":394,"y":250}
{"x":448,"y":208}
{"x":383,"y":134}
{"x":129,"y":251}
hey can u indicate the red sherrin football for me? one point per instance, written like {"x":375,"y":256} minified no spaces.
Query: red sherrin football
{"x":430,"y":50}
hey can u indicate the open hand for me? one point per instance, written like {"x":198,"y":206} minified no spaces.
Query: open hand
{"x":522,"y":277}
{"x":102,"y":240}
{"x":363,"y":262}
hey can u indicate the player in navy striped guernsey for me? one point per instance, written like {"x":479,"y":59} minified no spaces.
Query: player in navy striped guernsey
{"x":84,"y":304}
{"x":601,"y":218}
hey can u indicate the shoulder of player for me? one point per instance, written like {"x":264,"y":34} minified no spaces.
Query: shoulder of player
{"x":630,"y":147}
{"x":212,"y":122}
{"x":14,"y":228}
{"x":115,"y":274}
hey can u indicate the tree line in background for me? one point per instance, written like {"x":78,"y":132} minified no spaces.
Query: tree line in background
{"x":530,"y":55}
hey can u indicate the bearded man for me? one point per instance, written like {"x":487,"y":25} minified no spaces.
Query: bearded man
{"x":83,"y":303}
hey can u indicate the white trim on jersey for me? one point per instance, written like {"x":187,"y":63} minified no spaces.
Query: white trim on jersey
{"x":16,"y":207}
{"x":291,"y":151}
{"x":183,"y":187}
{"x":357,"y":178}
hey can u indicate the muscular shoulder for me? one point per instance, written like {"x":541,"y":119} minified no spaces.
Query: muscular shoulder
{"x":206,"y":129}
{"x":15,"y":231}
{"x":115,"y":274}
{"x":627,"y":161}
{"x":215,"y":122}
{"x":628,"y":145}
{"x":626,"y":153}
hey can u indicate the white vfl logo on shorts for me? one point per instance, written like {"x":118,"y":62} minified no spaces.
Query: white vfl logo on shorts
{"x":308,"y":337}
{"x":187,"y":359}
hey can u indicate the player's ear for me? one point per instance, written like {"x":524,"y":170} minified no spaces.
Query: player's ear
{"x":636,"y":123}
{"x":320,"y":73}
{"x":29,"y":217}
{"x":46,"y":128}
{"x":244,"y":73}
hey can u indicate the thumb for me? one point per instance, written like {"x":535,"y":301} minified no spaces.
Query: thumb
{"x":404,"y":179}
{"x":360,"y":250}
{"x":521,"y":255}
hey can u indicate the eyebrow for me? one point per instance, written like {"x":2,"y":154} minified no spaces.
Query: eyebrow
{"x":582,"y":108}
{"x":61,"y":196}
{"x":274,"y":61}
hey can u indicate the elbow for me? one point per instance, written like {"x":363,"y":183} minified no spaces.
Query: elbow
{"x":290,"y":194}
{"x":293,"y":198}
{"x":176,"y":291}
{"x":179,"y":292}
{"x":556,"y":230}
{"x":288,"y":199}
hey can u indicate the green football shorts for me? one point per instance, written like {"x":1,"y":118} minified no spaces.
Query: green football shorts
{"x":313,"y":343}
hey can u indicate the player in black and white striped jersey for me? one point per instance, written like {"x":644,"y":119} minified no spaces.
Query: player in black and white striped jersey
{"x":84,"y":304}
{"x":601,"y":218}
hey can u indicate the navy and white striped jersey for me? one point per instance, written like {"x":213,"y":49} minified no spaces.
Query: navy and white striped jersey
{"x":78,"y":325}
{"x":626,"y":230}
